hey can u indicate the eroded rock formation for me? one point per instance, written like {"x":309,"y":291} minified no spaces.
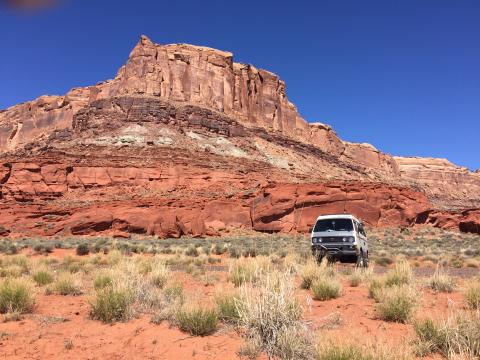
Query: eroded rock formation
{"x":186,"y":141}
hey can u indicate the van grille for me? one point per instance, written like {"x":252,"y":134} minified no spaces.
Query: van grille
{"x":332,"y":239}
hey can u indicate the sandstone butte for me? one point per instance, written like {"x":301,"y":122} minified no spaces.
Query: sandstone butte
{"x":184,"y":141}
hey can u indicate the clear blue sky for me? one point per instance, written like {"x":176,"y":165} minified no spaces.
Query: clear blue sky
{"x":402,"y":75}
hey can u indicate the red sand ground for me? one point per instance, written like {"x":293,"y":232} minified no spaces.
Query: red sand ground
{"x":45,"y":335}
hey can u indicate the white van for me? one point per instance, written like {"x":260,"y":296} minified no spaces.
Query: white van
{"x":340,"y":237}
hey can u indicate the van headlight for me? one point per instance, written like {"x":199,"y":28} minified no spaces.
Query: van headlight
{"x":349,"y":239}
{"x":316,"y":240}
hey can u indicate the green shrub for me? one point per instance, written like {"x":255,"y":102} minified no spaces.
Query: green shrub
{"x":197,"y":321}
{"x":219,"y":249}
{"x":234,"y":252}
{"x":212,"y":260}
{"x":326,"y":289}
{"x":111,"y":305}
{"x":249,"y":252}
{"x":375,"y":289}
{"x":384,"y":261}
{"x":227,"y":307}
{"x":82,"y":249}
{"x":42,"y":277}
{"x":38,"y":248}
{"x":397,"y":303}
{"x":16,"y":295}
{"x":191,"y":251}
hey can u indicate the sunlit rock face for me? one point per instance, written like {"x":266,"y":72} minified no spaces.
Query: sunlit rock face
{"x":186,"y":141}
{"x":448,"y":185}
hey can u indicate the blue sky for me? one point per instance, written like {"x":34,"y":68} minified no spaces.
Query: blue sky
{"x":401,"y":75}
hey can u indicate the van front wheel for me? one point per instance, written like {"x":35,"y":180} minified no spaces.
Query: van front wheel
{"x":362,"y":260}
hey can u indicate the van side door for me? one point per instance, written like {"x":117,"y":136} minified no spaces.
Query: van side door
{"x":363,"y":236}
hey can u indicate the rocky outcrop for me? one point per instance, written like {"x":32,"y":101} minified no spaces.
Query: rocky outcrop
{"x":370,"y":158}
{"x":464,"y":221}
{"x":287,"y":207}
{"x":323,"y":136}
{"x":25,"y":123}
{"x":186,"y":141}
{"x":65,"y":199}
{"x":448,"y":185}
{"x":209,"y":78}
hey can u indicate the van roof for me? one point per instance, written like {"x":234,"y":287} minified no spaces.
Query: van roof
{"x":338,"y":216}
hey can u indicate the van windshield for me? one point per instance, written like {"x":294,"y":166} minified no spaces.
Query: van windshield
{"x":333,"y":225}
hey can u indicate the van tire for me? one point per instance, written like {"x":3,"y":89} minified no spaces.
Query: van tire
{"x":362,"y":260}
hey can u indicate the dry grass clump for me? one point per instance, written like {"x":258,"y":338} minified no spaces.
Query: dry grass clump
{"x":67,"y":284}
{"x":19,"y":260}
{"x":360,"y":275}
{"x":401,"y":274}
{"x":294,"y":344}
{"x":338,"y":352}
{"x":355,"y":279}
{"x":332,"y":350}
{"x":16,"y":296}
{"x":135,"y":285}
{"x":227,"y":307}
{"x":459,"y":335}
{"x":326,"y":288}
{"x":111,"y":304}
{"x":14,"y":266}
{"x":270,"y":312}
{"x":114,"y":257}
{"x":172,"y":298}
{"x":103,"y":279}
{"x":128,"y":275}
{"x":125,"y":288}
{"x":312,"y":271}
{"x":472,"y":295}
{"x":396,"y":303}
{"x":441,"y":281}
{"x":11,"y":271}
{"x":197,"y":321}
{"x":248,"y":270}
{"x":160,"y":274}
{"x":42,"y":277}
{"x":375,"y":288}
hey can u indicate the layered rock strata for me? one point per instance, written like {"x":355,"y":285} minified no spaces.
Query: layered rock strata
{"x":186,"y":141}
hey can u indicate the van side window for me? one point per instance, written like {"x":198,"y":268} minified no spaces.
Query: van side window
{"x":361,"y":229}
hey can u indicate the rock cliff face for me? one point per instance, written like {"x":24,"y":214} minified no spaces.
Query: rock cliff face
{"x":448,"y":185}
{"x":186,"y":141}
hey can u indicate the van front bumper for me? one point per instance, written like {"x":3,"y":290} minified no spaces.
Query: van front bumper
{"x":334,"y":250}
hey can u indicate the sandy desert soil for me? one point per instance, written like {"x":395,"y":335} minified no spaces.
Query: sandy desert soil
{"x":61,"y":327}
